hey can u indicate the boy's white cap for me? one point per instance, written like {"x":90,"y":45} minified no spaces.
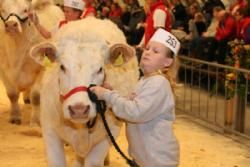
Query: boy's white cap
{"x":76,"y":4}
{"x":167,"y":39}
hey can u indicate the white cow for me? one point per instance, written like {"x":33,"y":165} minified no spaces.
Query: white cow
{"x":83,"y":55}
{"x":18,"y":71}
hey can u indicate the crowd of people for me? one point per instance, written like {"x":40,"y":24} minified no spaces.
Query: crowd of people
{"x":210,"y":27}
{"x":203,"y":26}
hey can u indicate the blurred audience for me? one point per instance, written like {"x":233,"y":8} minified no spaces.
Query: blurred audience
{"x":243,"y":24}
{"x":89,"y":9}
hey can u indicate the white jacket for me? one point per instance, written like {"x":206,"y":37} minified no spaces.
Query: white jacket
{"x":149,"y":116}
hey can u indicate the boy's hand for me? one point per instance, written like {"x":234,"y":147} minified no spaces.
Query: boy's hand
{"x":34,"y":18}
{"x":107,"y":85}
{"x":99,"y":91}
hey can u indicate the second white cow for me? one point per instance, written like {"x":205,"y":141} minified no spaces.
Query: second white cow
{"x":82,"y":56}
{"x":17,"y":70}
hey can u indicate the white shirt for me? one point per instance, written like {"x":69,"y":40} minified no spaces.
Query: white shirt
{"x":149,"y":117}
{"x":159,"y":18}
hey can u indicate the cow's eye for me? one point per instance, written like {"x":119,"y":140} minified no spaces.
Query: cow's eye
{"x":100,"y":70}
{"x":62,"y":68}
{"x":2,"y":11}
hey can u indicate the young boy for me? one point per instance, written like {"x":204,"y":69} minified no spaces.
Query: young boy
{"x":72,"y":10}
{"x":149,"y":112}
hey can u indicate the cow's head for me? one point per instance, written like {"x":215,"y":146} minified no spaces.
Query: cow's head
{"x":14,"y":14}
{"x":79,"y":63}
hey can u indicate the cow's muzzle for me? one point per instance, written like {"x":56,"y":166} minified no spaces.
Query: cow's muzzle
{"x":13,"y":14}
{"x":13,"y":23}
{"x":79,"y":111}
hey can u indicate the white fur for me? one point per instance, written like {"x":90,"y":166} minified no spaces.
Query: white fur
{"x":82,"y":48}
{"x":18,"y":70}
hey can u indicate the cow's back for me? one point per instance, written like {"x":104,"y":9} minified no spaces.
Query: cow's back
{"x":50,"y":16}
{"x":104,"y":28}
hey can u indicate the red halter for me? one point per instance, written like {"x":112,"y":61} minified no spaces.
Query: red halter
{"x":73,"y":91}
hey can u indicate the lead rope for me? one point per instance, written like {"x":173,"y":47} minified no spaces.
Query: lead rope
{"x":101,"y":108}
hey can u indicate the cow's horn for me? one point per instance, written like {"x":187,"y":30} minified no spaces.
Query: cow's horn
{"x":123,"y":51}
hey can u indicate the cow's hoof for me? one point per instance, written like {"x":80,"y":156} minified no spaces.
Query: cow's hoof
{"x":26,"y":101}
{"x":34,"y":121}
{"x":16,"y":121}
{"x":34,"y":124}
{"x":107,"y":161}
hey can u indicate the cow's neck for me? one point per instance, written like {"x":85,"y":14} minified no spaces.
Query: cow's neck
{"x":20,"y":46}
{"x":29,"y":35}
{"x":18,"y":57}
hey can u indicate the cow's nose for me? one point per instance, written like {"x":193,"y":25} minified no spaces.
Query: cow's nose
{"x":11,"y":24}
{"x":78,"y":111}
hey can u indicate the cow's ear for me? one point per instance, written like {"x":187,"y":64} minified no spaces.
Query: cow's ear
{"x":29,"y":1}
{"x":120,"y":54}
{"x":43,"y":51}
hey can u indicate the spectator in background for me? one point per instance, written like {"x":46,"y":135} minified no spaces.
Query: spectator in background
{"x":243,"y":24}
{"x":205,"y":45}
{"x":102,"y":8}
{"x":217,"y":47}
{"x":192,"y":9}
{"x":115,"y":11}
{"x":208,"y":6}
{"x":72,"y":11}
{"x":200,"y":23}
{"x":133,"y":31}
{"x":211,"y":30}
{"x":180,"y":14}
{"x":226,"y":31}
{"x":99,"y":4}
{"x":125,"y":16}
{"x":158,"y":16}
{"x":197,"y":28}
{"x":237,"y":5}
{"x":89,"y":10}
{"x":105,"y":12}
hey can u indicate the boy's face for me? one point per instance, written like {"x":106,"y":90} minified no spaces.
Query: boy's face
{"x":71,"y":14}
{"x":154,"y":57}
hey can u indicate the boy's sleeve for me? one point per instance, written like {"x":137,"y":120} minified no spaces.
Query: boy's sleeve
{"x":144,"y":107}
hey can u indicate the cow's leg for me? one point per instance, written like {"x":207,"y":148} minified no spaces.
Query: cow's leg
{"x":35,"y":115}
{"x":13,"y":95}
{"x":26,"y":97}
{"x":96,"y":156}
{"x":54,"y":148}
{"x":78,"y":162}
{"x":35,"y":101}
{"x":107,"y":160}
{"x":15,"y":113}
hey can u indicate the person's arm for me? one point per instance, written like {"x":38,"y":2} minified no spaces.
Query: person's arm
{"x":159,"y":18}
{"x":144,"y":106}
{"x":43,"y":31}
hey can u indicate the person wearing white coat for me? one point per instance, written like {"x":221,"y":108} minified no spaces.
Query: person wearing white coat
{"x":149,"y":112}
